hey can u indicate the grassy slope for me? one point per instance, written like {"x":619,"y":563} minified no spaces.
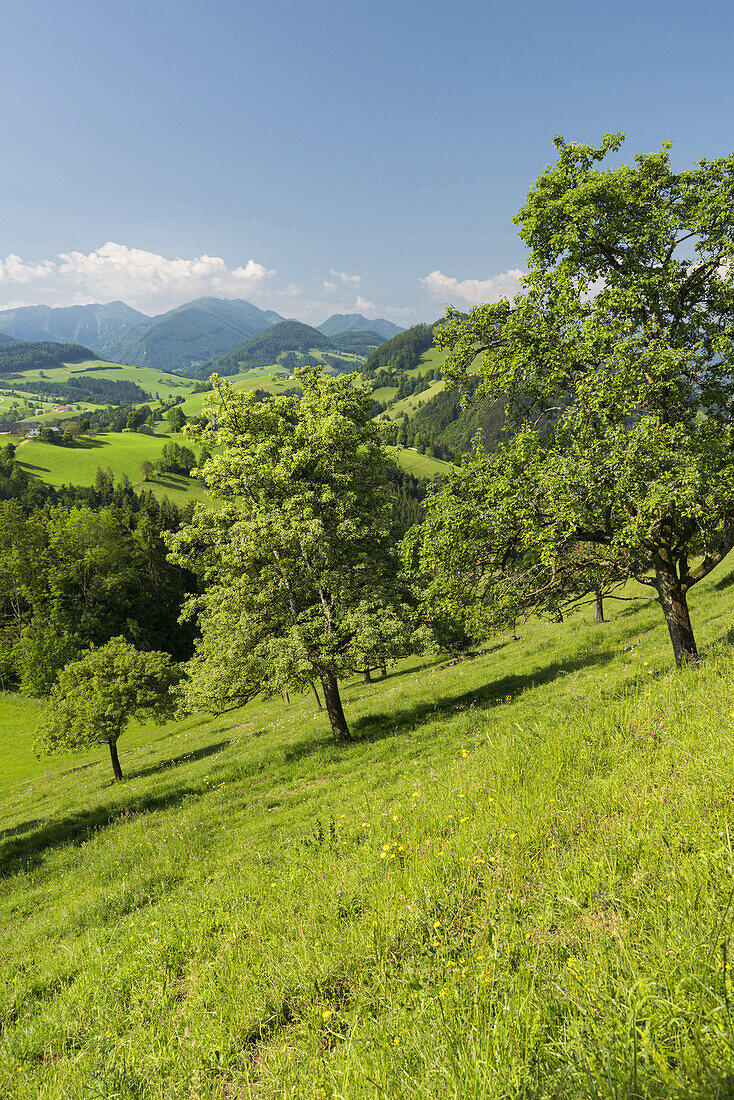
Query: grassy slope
{"x":421,"y":465}
{"x":249,"y":380}
{"x":121,"y":451}
{"x":152,"y":381}
{"x":410,"y":404}
{"x":516,"y":883}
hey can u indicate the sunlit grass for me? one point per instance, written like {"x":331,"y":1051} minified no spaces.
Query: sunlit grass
{"x":518,"y":882}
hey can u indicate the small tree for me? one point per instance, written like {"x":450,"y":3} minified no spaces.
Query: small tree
{"x":147,"y":469}
{"x":176,"y":459}
{"x":95,"y":697}
{"x":176,"y":418}
{"x":615,"y":366}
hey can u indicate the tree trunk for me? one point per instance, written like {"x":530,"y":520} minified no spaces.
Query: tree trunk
{"x":675,"y":608}
{"x":115,"y":759}
{"x":383,"y":671}
{"x":599,"y":605}
{"x":316,"y":695}
{"x":367,"y":677}
{"x":286,"y":696}
{"x":334,"y":708}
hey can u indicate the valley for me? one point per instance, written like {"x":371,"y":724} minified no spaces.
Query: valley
{"x":265,"y":364}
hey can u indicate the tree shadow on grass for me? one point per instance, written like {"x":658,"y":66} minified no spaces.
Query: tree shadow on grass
{"x":184,"y":758}
{"x":33,"y":466}
{"x":23,"y":853}
{"x":379,"y":726}
{"x":725,"y":582}
{"x":13,"y":830}
{"x":88,"y":444}
{"x":375,"y":727}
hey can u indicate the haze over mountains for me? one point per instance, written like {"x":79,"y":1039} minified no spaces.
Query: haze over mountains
{"x":184,"y":339}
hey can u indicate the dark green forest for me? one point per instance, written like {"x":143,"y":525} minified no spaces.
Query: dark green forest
{"x":23,"y":355}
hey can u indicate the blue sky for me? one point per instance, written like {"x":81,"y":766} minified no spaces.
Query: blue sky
{"x":322,"y":157}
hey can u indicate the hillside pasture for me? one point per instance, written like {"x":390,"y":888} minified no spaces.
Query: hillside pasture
{"x":410,"y":404}
{"x":121,"y":452}
{"x":151,"y":380}
{"x":264,"y":378}
{"x":517,"y":882}
{"x":421,"y":465}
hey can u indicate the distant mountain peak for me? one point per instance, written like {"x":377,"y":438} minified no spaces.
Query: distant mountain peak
{"x":357,"y":322}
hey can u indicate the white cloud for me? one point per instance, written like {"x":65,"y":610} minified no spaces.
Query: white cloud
{"x":473,"y":291}
{"x":345,"y":280}
{"x":362,"y":305}
{"x":329,"y":286}
{"x":145,"y":280}
{"x":398,"y":311}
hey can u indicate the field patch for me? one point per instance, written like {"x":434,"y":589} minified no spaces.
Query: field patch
{"x":121,"y":452}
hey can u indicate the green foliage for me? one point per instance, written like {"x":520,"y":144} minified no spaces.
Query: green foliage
{"x":615,"y":366}
{"x":176,"y":418}
{"x":450,"y":426}
{"x":71,"y":576}
{"x":95,"y":697}
{"x":298,"y":560}
{"x":176,"y":459}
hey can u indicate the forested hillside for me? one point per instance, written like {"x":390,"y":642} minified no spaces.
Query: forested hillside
{"x":22,"y":355}
{"x":193,"y":334}
{"x":267,"y":348}
{"x":91,"y":325}
{"x":401,"y":353}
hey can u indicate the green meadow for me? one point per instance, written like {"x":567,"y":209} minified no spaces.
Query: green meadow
{"x":410,"y":404}
{"x":265,"y":378}
{"x":421,"y":465}
{"x":518,"y":882}
{"x":152,"y":381}
{"x":122,"y":452}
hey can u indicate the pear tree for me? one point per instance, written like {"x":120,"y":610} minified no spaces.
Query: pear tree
{"x":615,"y":366}
{"x":300,"y":575}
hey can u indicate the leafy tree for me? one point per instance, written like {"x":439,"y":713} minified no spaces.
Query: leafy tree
{"x":176,"y":459}
{"x":95,"y":697}
{"x":176,"y":418}
{"x":135,"y":418}
{"x":301,"y":555}
{"x":615,"y":366}
{"x":147,"y":469}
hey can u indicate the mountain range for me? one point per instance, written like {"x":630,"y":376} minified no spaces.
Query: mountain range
{"x":182,"y":340}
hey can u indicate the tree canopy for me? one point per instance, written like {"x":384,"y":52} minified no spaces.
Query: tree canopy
{"x":614,"y":363}
{"x":300,"y":573}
